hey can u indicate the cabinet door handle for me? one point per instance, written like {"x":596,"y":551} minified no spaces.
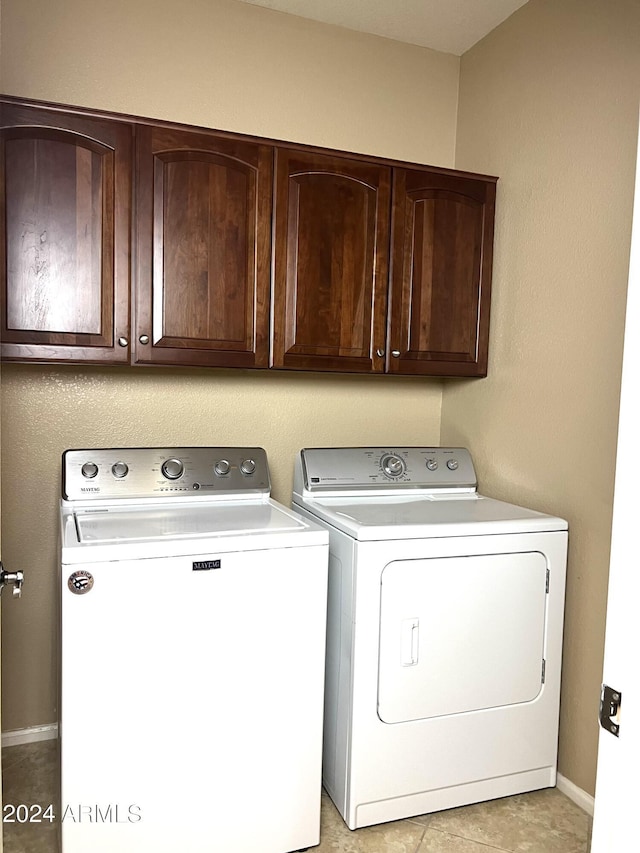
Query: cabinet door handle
{"x":380,"y":353}
{"x":144,"y":339}
{"x":123,"y":342}
{"x":395,"y":353}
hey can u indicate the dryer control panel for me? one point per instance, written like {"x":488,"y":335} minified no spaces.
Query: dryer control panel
{"x":339,"y":469}
{"x":163,"y":472}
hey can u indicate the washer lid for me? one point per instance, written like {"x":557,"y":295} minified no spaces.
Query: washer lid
{"x":428,"y":516}
{"x":135,"y":523}
{"x":133,"y":532}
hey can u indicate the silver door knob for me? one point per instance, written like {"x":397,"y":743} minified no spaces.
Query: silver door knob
{"x":395,"y":353}
{"x":380,"y":353}
{"x":144,"y":339}
{"x":123,"y":342}
{"x":15,"y":579}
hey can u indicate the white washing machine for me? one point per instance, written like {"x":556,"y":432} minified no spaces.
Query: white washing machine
{"x":193,"y":643}
{"x":444,"y":636}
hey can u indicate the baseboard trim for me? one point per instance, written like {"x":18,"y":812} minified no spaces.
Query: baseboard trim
{"x":15,"y":737}
{"x":579,"y":797}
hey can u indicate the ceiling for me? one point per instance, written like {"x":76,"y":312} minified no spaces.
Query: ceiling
{"x":451,"y":26}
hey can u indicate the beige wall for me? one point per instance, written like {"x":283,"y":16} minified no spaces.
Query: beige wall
{"x":549,"y":102}
{"x":233,"y":66}
{"x":238,"y":67}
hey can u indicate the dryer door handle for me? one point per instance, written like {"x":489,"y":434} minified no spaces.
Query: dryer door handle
{"x":410,"y":641}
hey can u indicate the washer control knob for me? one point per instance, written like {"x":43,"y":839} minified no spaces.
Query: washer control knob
{"x":120,"y":470}
{"x":392,"y":465}
{"x":222,"y":467}
{"x":432,"y":464}
{"x":248,"y":466}
{"x":452,"y":464}
{"x":172,"y":469}
{"x":89,"y":470}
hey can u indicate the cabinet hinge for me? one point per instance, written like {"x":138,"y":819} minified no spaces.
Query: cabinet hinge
{"x":544,"y":669}
{"x":547,"y":583}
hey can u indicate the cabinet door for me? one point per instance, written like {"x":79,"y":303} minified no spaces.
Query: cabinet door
{"x":65,"y":187}
{"x":442,"y":244}
{"x":204,"y":217}
{"x":331,"y":262}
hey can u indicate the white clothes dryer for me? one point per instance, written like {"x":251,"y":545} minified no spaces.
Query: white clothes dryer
{"x":444,"y":633}
{"x":193,"y":641}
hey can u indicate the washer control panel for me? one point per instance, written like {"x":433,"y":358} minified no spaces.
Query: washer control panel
{"x":365,"y":468}
{"x":143,"y":472}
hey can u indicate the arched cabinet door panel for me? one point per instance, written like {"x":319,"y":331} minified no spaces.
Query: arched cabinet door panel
{"x":331,"y":243}
{"x":65,"y":211}
{"x":441,"y":273}
{"x":204,"y":215}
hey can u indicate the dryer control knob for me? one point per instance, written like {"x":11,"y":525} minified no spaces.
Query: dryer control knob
{"x":248,"y":466}
{"x":89,"y":470}
{"x":222,"y":467}
{"x":172,"y":469}
{"x":393,"y":465}
{"x":432,"y":464}
{"x":452,"y":464}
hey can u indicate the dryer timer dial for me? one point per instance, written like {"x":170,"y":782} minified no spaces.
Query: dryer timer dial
{"x":392,"y":465}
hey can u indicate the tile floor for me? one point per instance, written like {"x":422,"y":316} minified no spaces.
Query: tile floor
{"x":30,"y":776}
{"x":540,"y":822}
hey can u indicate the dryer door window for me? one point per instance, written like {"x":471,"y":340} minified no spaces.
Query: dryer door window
{"x":460,"y":634}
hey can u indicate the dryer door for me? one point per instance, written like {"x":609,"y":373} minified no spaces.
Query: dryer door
{"x":460,"y":634}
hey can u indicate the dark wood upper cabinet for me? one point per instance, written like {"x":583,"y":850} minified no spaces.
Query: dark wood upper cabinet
{"x":442,"y":240}
{"x":203,"y":205}
{"x":331,"y":245}
{"x":248,"y":252}
{"x":65,"y":215}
